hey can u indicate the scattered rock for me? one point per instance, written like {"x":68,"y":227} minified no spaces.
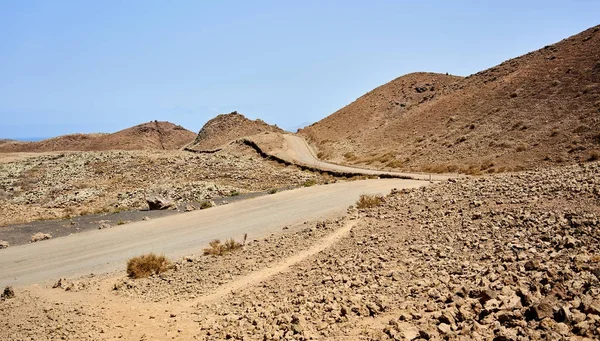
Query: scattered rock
{"x":39,"y":237}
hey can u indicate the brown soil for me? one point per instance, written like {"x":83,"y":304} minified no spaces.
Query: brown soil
{"x":228,"y":127}
{"x":147,"y":136}
{"x":540,"y":108}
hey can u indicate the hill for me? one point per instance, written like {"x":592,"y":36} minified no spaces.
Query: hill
{"x":540,"y":108}
{"x":147,"y":136}
{"x":228,"y":127}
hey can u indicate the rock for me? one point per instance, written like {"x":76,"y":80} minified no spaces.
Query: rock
{"x":159,"y":203}
{"x":104,"y":226}
{"x":595,"y":271}
{"x":593,"y":307}
{"x":531,"y":265}
{"x":8,"y":293}
{"x":407,"y":331}
{"x":189,"y":208}
{"x":444,"y":328}
{"x":39,"y":237}
{"x":540,"y":311}
{"x":4,"y":244}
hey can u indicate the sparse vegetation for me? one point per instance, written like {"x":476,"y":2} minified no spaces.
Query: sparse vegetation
{"x":217,"y":249}
{"x":273,"y":191}
{"x":234,"y":193}
{"x":309,"y":183}
{"x":147,"y":265}
{"x":349,"y":156}
{"x":206,"y":204}
{"x":369,"y":201}
{"x":394,"y":164}
{"x":594,"y":156}
{"x":120,"y":222}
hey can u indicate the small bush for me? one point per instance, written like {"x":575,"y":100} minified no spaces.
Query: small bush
{"x":309,"y":183}
{"x":147,"y":265}
{"x":350,"y":156}
{"x":217,"y":249}
{"x":521,"y":148}
{"x":234,"y":193}
{"x":369,"y":201}
{"x":205,"y":205}
{"x":594,"y":156}
{"x":394,"y":164}
{"x":273,"y":191}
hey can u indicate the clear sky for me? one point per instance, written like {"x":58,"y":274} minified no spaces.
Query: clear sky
{"x":100,"y":66}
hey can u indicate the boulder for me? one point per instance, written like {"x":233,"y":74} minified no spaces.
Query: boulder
{"x":159,"y":203}
{"x":4,"y":244}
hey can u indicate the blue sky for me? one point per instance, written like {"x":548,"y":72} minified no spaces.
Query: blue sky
{"x":100,"y":66}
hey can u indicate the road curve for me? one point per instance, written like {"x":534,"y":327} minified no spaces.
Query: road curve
{"x":106,"y":250}
{"x":297,"y":151}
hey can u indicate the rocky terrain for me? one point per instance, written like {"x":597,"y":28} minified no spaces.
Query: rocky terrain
{"x":542,"y":108}
{"x":147,"y":136}
{"x":504,"y":257}
{"x":81,"y":183}
{"x":225,"y":128}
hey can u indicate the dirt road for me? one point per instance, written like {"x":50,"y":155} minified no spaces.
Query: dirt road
{"x":103,"y":251}
{"x":296,"y":150}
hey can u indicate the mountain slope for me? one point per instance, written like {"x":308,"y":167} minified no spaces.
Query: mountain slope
{"x":227,"y":127}
{"x":543,"y":107}
{"x":146,"y":136}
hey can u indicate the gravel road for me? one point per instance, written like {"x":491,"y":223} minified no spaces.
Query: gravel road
{"x":102,"y":251}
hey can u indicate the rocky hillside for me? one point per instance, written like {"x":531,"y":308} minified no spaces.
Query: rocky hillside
{"x":540,"y":108}
{"x":147,"y":136}
{"x":227,"y":127}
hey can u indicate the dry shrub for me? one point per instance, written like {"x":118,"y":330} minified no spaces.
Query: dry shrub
{"x":309,"y":183}
{"x":521,"y":148}
{"x":369,"y":201}
{"x":217,"y":249}
{"x":394,"y":164}
{"x":594,"y":156}
{"x":146,"y":265}
{"x":206,"y":204}
{"x":350,"y":156}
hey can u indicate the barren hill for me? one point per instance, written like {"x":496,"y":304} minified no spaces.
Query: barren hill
{"x":146,"y":136}
{"x":228,"y":127}
{"x":540,"y":108}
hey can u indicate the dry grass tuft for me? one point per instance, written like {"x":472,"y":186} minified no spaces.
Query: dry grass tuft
{"x":218,"y":249}
{"x":147,"y":265}
{"x":369,"y":201}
